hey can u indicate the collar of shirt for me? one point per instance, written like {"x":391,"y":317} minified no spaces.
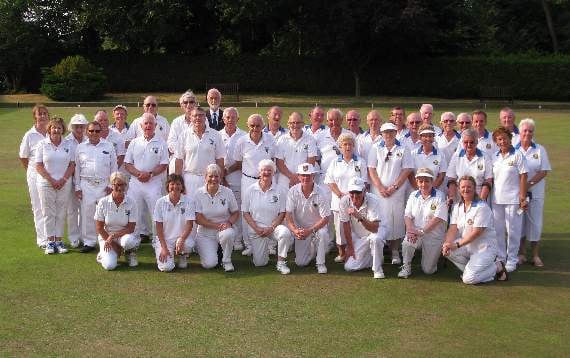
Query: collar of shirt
{"x":341,"y":158}
{"x":126,"y":125}
{"x":515,"y":129}
{"x":280,"y":129}
{"x":511,"y":151}
{"x":477,"y":153}
{"x":532,"y":144}
{"x":433,"y":150}
{"x":382,"y":144}
{"x":431,"y":194}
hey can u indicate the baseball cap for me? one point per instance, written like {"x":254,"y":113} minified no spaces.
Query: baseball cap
{"x":356,"y":184}
{"x":306,"y":168}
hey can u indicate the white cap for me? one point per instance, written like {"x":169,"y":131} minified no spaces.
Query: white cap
{"x":356,"y":184}
{"x":306,"y":168}
{"x":388,"y":127}
{"x":427,"y":131}
{"x":78,"y":119}
{"x":425,"y":172}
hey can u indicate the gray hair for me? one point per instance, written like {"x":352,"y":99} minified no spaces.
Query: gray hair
{"x":426,"y":106}
{"x":470,"y":132}
{"x":231,"y":109}
{"x":149,"y":115}
{"x":187,"y":94}
{"x":447,"y":114}
{"x":346,"y":137}
{"x":213,"y":169}
{"x":267,"y":163}
{"x":214,"y":91}
{"x":529,"y":122}
{"x":119,"y":176}
{"x":254,"y":116}
{"x":464,"y":115}
{"x":336,"y":112}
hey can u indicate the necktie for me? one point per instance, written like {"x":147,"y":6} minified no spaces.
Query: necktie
{"x":215,"y":121}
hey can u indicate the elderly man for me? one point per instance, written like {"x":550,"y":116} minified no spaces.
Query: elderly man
{"x":327,"y":142}
{"x":371,"y":136}
{"x":507,"y":120}
{"x":215,"y":113}
{"x":180,"y":124}
{"x":113,"y":137}
{"x":95,"y":161}
{"x":398,"y":118}
{"x":411,"y":139}
{"x":150,"y":105}
{"x":360,"y":218}
{"x":146,"y":160}
{"x":274,"y":123}
{"x":307,"y":215}
{"x":317,"y":117}
{"x":485,"y":144}
{"x":463,"y":121}
{"x":294,"y":148}
{"x":199,"y":147}
{"x":353,"y":122}
{"x":120,"y":124}
{"x":426,"y":114}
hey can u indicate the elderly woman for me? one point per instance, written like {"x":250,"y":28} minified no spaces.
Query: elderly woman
{"x":464,"y":121}
{"x":470,"y":161}
{"x":115,"y":220}
{"x":448,"y":141}
{"x":509,"y":197}
{"x":340,"y":172}
{"x":216,"y":213}
{"x":263,"y":208}
{"x":470,"y":242}
{"x":27,"y":156}
{"x":174,"y":217}
{"x":55,"y":165}
{"x":538,"y":167}
{"x":428,"y":156}
{"x":425,"y":217}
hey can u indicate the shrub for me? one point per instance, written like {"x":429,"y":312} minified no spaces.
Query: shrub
{"x":73,"y":79}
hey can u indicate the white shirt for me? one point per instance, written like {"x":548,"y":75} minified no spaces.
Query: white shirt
{"x":328,"y":148}
{"x":250,"y":154}
{"x":421,"y":211}
{"x":307,"y":128}
{"x":230,"y":143}
{"x":448,"y":147}
{"x":408,"y":142}
{"x":116,"y":218}
{"x":400,"y":135}
{"x":94,"y":162}
{"x":162,"y":128}
{"x":56,"y":158}
{"x":294,"y":152}
{"x":479,"y":215}
{"x":217,"y":208}
{"x":389,"y":163}
{"x":486,"y":144}
{"x":145,"y":155}
{"x":370,"y":210}
{"x":307,"y":211}
{"x":506,"y":171}
{"x":536,"y":160}
{"x":280,"y":132}
{"x":197,"y":153}
{"x":28,"y":147}
{"x":118,"y":142}
{"x":365,"y":142}
{"x":176,"y":132}
{"x":264,"y":207}
{"x":435,"y":160}
{"x":480,"y":167}
{"x":340,"y":172}
{"x":173,"y":217}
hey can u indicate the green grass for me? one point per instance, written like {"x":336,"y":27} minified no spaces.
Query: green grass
{"x":67,"y":305}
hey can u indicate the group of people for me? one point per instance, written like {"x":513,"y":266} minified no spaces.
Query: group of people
{"x":201,"y":184}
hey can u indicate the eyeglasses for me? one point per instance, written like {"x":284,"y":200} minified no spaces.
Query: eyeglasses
{"x":388,"y":155}
{"x":150,"y":104}
{"x":188,"y":102}
{"x":94,"y":130}
{"x":464,"y":123}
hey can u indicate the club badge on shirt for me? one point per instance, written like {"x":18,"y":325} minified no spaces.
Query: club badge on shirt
{"x":267,"y":150}
{"x":127,"y":212}
{"x":357,"y":168}
{"x":274,"y":199}
{"x":182,"y":211}
{"x":480,"y":166}
{"x":470,"y":222}
{"x":433,"y":207}
{"x":223,"y":202}
{"x":211,"y":141}
{"x":435,"y":162}
{"x":535,"y":155}
{"x":488,"y":145}
{"x":399,"y":154}
{"x":511,"y":163}
{"x":155,"y":150}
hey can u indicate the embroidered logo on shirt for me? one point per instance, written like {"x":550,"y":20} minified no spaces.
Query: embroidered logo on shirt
{"x":66,"y":150}
{"x":511,"y":163}
{"x":337,"y":151}
{"x":433,"y":207}
{"x":105,"y":152}
{"x":267,"y":150}
{"x":357,"y":168}
{"x":488,"y":145}
{"x":306,"y":147}
{"x":535,"y":155}
{"x":399,"y":154}
{"x":127,"y":212}
{"x":435,"y":162}
{"x":211,"y":141}
{"x":274,"y":199}
{"x":182,"y":211}
{"x":470,"y":222}
{"x":155,"y":150}
{"x":223,"y":201}
{"x":480,"y":166}
{"x":315,"y":204}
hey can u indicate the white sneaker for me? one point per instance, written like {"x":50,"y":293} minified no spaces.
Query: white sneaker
{"x":396,"y":259}
{"x":60,"y":247}
{"x":406,"y":271}
{"x":247,"y":252}
{"x":322,"y":269}
{"x":379,"y":274}
{"x":98,"y":258}
{"x":50,"y":248}
{"x":182,"y":262}
{"x":272,"y":251}
{"x":74,"y":244}
{"x":132,"y":259}
{"x":228,"y":267}
{"x":510,"y":267}
{"x":282,"y":267}
{"x":338,"y":259}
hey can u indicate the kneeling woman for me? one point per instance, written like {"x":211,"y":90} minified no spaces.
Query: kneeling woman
{"x":470,"y":242}
{"x":216,"y":213}
{"x":115,"y":221}
{"x":174,"y":217}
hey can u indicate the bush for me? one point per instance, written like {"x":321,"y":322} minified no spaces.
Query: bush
{"x":73,"y":79}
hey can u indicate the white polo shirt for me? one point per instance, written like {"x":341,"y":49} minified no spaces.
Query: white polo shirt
{"x":409,"y":143}
{"x":230,"y":143}
{"x":400,"y":135}
{"x":307,"y":211}
{"x":370,"y":209}
{"x":162,"y":128}
{"x":197,"y":153}
{"x":250,"y":154}
{"x":365,"y":142}
{"x":340,"y":172}
{"x":118,"y":142}
{"x":479,"y":215}
{"x":486,"y":144}
{"x":328,"y":148}
{"x":480,"y":167}
{"x":147,"y":154}
{"x":389,"y":163}
{"x":307,"y":128}
{"x":280,"y":132}
{"x":74,"y":142}
{"x":28,"y":147}
{"x":421,"y":210}
{"x":294,"y":152}
{"x":435,"y":160}
{"x":176,"y":132}
{"x":264,"y":207}
{"x":516,"y":136}
{"x":448,"y":147}
{"x":506,"y":171}
{"x":94,"y":162}
{"x":173,"y":217}
{"x":56,"y":158}
{"x":217,"y":208}
{"x":116,"y":218}
{"x":536,"y":160}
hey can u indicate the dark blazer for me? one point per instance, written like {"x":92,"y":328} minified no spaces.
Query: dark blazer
{"x":220,"y":125}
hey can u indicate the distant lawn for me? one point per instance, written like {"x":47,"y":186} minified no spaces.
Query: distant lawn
{"x":67,"y":305}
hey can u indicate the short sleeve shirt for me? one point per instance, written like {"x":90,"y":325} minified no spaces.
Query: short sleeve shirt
{"x":421,"y":210}
{"x":389,"y":163}
{"x":250,"y":154}
{"x":307,"y":211}
{"x":94,"y":161}
{"x":56,"y":158}
{"x":370,"y":209}
{"x":340,"y":172}
{"x":536,"y":160}
{"x":447,"y":147}
{"x":162,"y":128}
{"x":217,"y":208}
{"x":116,"y":218}
{"x":479,"y":167}
{"x":146,"y":154}
{"x":264,"y":207}
{"x":294,"y":152}
{"x":434,"y":160}
{"x":173,"y":217}
{"x":117,"y":141}
{"x":198,"y":153}
{"x":479,"y":215}
{"x":506,"y":171}
{"x":28,"y":147}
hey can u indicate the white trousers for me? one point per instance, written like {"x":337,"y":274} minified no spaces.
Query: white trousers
{"x":91,"y":191}
{"x":54,"y":207}
{"x":74,"y":219}
{"x":314,"y":246}
{"x":31,"y":179}
{"x":236,"y":189}
{"x":369,"y":252}
{"x":260,"y":245}
{"x":338,"y":231}
{"x":168,"y":265}
{"x":506,"y":218}
{"x":109,"y":259}
{"x":532,"y":220}
{"x":431,"y":250}
{"x":145,"y":196}
{"x":246,"y":182}
{"x":207,"y":246}
{"x":392,"y":209}
{"x":477,"y":266}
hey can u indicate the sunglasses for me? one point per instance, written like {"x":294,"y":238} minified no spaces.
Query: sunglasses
{"x":150,"y":104}
{"x":94,"y":130}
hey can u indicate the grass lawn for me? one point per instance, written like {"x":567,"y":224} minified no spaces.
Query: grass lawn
{"x":67,"y":305}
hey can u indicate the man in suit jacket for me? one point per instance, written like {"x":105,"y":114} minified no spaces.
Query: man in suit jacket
{"x":215,"y":113}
